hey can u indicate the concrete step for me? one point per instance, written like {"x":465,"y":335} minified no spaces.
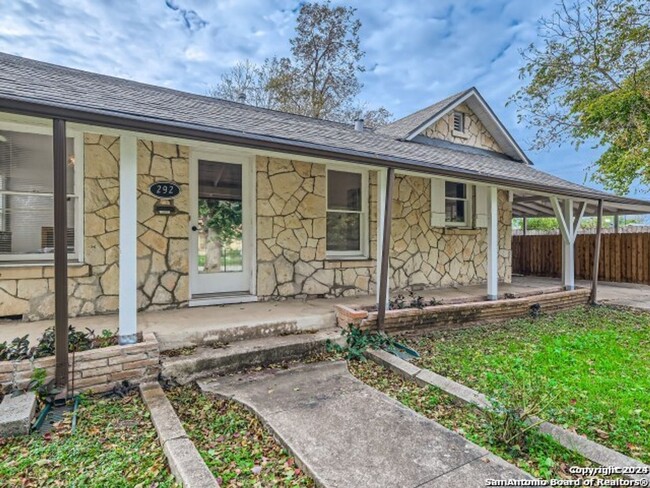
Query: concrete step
{"x":308,"y":324}
{"x":255,"y":327}
{"x":240,"y":355}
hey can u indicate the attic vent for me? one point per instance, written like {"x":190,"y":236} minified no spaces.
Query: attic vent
{"x":459,"y":122}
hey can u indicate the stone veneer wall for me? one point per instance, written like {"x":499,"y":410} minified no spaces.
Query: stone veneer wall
{"x":93,"y":287}
{"x":291,"y":221}
{"x":476,"y":133}
{"x":163,"y":245}
{"x":291,"y":224}
{"x":427,"y":256}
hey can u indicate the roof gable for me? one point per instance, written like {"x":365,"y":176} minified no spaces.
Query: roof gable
{"x":425,"y":123}
{"x":474,"y":134}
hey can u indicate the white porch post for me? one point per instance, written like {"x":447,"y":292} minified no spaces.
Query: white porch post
{"x":128,"y":240}
{"x":568,"y":249}
{"x":569,"y":224}
{"x":493,"y":244}
{"x":382,"y":176}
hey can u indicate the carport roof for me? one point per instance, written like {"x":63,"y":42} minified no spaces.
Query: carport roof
{"x":47,"y":90}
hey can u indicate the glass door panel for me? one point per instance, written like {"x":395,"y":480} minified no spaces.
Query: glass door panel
{"x":220,"y":239}
{"x":219,"y":261}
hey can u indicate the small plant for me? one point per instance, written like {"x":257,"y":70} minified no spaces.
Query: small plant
{"x":412,"y":301}
{"x":418,"y":301}
{"x":397,"y":303}
{"x":357,"y":341}
{"x":79,"y":340}
{"x":19,"y":348}
{"x":509,"y":421}
{"x":16,"y":350}
{"x":39,"y":383}
{"x":106,"y":338}
{"x":45,"y":345}
{"x":535,"y":310}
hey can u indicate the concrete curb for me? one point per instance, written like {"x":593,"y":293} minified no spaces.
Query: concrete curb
{"x":184,"y":460}
{"x":599,"y":454}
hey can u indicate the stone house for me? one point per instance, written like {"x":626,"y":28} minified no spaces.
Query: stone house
{"x":176,"y":200}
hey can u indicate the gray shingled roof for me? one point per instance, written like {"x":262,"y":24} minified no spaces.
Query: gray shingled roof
{"x":402,"y":128}
{"x":46,"y":88}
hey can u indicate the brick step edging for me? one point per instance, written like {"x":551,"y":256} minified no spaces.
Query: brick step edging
{"x":183,"y":458}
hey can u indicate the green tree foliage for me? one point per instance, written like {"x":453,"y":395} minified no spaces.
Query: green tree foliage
{"x":550,"y":223}
{"x":588,"y":79}
{"x":537,"y":223}
{"x":223,"y":217}
{"x":319,"y":79}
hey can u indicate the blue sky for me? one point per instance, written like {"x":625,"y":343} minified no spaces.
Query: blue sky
{"x":417,"y":51}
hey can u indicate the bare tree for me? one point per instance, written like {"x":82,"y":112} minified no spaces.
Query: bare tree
{"x":320,"y":79}
{"x":246,"y":82}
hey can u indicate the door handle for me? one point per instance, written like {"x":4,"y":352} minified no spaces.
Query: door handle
{"x":195,"y":228}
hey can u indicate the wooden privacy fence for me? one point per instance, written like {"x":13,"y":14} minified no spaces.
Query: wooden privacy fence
{"x":623,"y":257}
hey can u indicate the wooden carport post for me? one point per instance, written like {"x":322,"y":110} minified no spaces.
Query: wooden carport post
{"x":385,"y":249}
{"x":594,"y":277}
{"x":60,"y":254}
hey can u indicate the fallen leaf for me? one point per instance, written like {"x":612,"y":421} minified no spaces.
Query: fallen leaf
{"x":602,"y":434}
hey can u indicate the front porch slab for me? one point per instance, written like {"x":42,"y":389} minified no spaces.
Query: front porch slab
{"x":191,"y":326}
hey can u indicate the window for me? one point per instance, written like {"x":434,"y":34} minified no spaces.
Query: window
{"x":459,"y":122}
{"x":346,"y":207}
{"x":26,"y":194}
{"x":457,"y":211}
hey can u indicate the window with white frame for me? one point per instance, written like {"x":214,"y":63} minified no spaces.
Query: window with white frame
{"x":26,"y":194}
{"x":346,"y":209}
{"x":457,"y":204}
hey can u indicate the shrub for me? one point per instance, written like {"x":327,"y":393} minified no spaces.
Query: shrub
{"x":509,"y":422}
{"x":357,"y":341}
{"x":15,"y":350}
{"x":412,"y":301}
{"x":78,"y":340}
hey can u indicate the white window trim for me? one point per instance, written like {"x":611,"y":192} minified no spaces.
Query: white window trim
{"x":469,"y":191}
{"x":365,"y":196}
{"x":78,"y":144}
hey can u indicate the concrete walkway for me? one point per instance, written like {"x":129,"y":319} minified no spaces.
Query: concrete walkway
{"x":609,"y":293}
{"x":344,"y":433}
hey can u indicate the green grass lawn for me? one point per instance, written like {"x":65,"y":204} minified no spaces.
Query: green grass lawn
{"x":592,"y":366}
{"x":231,"y":260}
{"x":542,"y":456}
{"x":114,"y":445}
{"x":233,"y":443}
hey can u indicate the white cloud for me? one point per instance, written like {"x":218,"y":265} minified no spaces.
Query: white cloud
{"x":417,"y":51}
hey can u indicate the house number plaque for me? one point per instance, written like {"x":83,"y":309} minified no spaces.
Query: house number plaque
{"x":164,"y":189}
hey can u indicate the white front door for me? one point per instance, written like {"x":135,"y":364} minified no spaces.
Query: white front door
{"x":221,"y":238}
